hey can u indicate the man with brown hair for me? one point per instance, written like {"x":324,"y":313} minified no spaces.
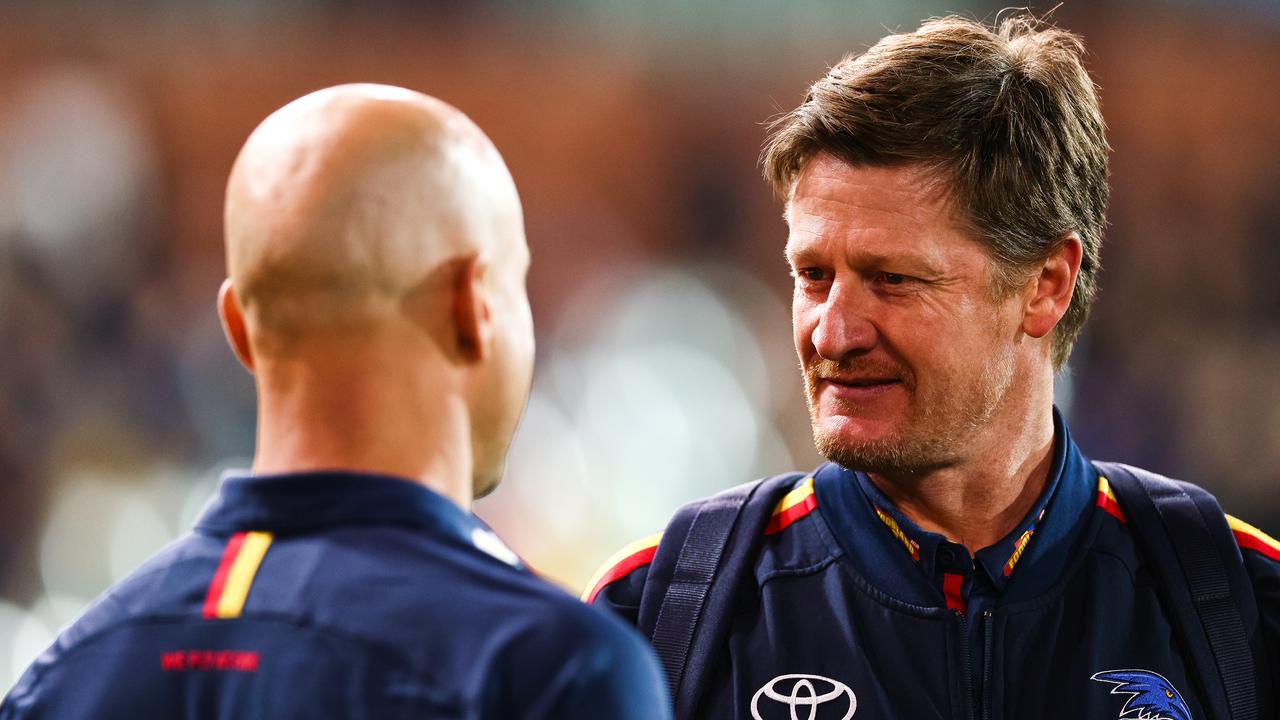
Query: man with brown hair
{"x":959,"y":556}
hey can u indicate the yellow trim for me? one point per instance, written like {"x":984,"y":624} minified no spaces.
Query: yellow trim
{"x":240,"y":577}
{"x":627,"y":551}
{"x":1238,"y":525}
{"x":795,"y":497}
{"x":1104,"y":487}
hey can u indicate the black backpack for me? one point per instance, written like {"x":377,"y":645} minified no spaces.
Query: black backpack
{"x":707,"y":555}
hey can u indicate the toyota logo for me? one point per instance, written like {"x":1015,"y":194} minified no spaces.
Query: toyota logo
{"x":808,"y":692}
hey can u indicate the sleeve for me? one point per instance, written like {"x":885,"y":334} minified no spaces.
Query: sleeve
{"x":619,"y":584}
{"x":22,"y":699}
{"x":619,"y":678}
{"x":578,"y":662}
{"x":1262,"y":560}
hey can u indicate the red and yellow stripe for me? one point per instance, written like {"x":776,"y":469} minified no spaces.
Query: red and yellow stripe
{"x":636,"y":555}
{"x":1249,"y":537}
{"x":1107,"y":500}
{"x":794,"y":505}
{"x":240,"y":561}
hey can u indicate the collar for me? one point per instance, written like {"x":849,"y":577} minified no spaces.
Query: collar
{"x":307,"y":501}
{"x":913,"y":565}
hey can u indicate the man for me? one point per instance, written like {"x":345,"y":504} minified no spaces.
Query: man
{"x":377,"y":261}
{"x":959,"y":557}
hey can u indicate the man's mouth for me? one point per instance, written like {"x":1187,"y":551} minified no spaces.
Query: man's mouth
{"x":861,"y":382}
{"x":856,"y":389}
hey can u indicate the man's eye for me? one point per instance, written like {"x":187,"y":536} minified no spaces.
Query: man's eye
{"x":809,"y":274}
{"x":894,"y":278}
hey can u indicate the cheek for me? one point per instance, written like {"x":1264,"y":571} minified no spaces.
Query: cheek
{"x":524,"y":325}
{"x":959,"y":345}
{"x":522,"y":344}
{"x":513,"y":366}
{"x":530,"y":347}
{"x":803,"y":321}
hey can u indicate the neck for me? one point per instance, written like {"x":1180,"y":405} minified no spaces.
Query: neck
{"x":979,"y":500}
{"x":339,"y":414}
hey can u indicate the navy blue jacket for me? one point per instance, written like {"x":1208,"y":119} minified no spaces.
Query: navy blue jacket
{"x":339,"y":596}
{"x":855,"y":609}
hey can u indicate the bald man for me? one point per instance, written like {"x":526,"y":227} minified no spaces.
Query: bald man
{"x":376,"y":261}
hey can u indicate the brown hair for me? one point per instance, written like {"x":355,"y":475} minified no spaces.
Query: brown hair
{"x":1007,"y":117}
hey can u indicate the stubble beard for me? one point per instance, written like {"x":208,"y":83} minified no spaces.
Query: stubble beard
{"x":932,"y":435}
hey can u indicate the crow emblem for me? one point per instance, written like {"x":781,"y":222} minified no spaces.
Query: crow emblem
{"x":1151,"y":696}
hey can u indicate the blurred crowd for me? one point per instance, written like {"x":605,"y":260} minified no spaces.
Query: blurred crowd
{"x":659,"y":290}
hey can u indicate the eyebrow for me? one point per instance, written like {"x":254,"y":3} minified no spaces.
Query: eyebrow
{"x":798,"y":254}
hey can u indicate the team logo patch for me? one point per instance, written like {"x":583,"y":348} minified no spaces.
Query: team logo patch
{"x":786,"y":697}
{"x":1151,"y":696}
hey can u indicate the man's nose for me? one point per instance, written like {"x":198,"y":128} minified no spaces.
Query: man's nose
{"x":844,"y":325}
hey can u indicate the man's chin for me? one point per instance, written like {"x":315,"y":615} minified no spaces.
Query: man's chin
{"x":855,"y":431}
{"x":887,"y":455}
{"x":857,"y":447}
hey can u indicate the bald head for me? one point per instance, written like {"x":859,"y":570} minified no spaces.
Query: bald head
{"x":376,"y":261}
{"x":347,"y":200}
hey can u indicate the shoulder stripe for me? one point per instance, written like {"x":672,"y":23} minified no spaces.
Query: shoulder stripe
{"x":636,"y":555}
{"x":1107,"y":500}
{"x":231,"y":582}
{"x":794,"y":505}
{"x":1249,"y":537}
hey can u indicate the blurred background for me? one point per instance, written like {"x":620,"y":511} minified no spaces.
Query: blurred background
{"x":665,"y":366}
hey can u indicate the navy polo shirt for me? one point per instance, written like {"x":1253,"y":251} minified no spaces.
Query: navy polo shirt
{"x":339,"y":595}
{"x":854,"y":608}
{"x":924,"y":568}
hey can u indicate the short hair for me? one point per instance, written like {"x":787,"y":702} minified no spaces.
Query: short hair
{"x":1007,"y":117}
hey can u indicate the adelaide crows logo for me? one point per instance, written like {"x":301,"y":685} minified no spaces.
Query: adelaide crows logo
{"x":1151,"y":696}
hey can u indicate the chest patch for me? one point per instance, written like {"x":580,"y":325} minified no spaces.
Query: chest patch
{"x":1151,"y":696}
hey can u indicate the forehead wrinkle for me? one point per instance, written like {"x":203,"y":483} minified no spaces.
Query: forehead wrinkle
{"x":921,"y":186}
{"x":886,"y":252}
{"x":834,"y":206}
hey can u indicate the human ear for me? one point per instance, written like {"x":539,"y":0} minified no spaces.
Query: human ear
{"x":1050,"y":292}
{"x":472,"y":311}
{"x":233,"y":324}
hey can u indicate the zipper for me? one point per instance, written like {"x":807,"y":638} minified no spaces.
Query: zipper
{"x":977,"y":696}
{"x":986,"y":664}
{"x":967,"y":657}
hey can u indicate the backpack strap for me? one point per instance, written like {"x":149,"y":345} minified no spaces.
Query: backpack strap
{"x":1184,"y":537}
{"x":707,"y":552}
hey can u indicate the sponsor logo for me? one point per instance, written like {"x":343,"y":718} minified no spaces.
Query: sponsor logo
{"x":1018,"y":548}
{"x":803,"y":694}
{"x":210,"y":661}
{"x":911,"y":545}
{"x":1151,"y":696}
